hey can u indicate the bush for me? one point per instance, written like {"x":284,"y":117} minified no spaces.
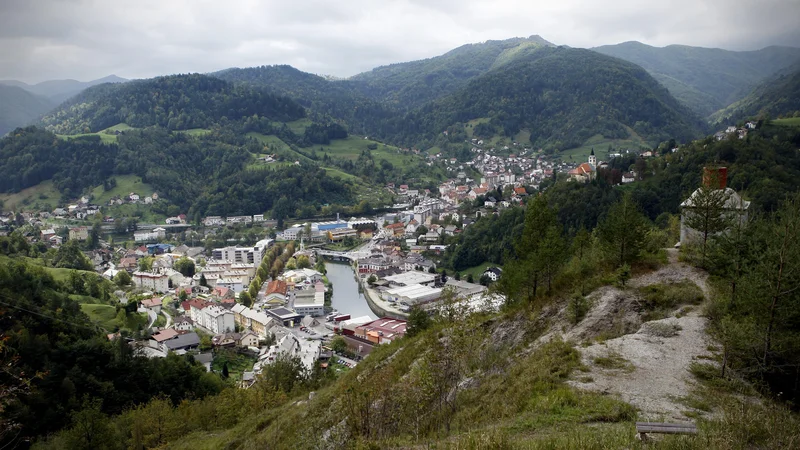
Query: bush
{"x":660,"y":299}
{"x":577,"y":308}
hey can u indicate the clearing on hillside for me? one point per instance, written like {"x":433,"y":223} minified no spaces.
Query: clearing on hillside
{"x":43,"y":196}
{"x":125,"y":185}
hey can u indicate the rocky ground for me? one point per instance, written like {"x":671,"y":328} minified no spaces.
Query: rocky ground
{"x":645,"y":364}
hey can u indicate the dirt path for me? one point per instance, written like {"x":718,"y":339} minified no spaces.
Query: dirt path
{"x":649,"y":366}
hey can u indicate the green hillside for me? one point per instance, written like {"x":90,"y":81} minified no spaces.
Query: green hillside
{"x":705,"y":79}
{"x":178,"y":102}
{"x":563,"y":97}
{"x":779,"y":96}
{"x":19,"y":107}
{"x":411,"y":84}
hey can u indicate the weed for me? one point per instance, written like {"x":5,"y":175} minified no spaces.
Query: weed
{"x":614,"y":361}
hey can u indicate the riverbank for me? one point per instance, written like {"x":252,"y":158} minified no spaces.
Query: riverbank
{"x":379,"y":306}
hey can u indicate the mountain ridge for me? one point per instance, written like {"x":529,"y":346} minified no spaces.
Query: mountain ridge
{"x":721,"y":76}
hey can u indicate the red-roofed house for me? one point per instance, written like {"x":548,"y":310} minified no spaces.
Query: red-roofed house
{"x":276,"y":292}
{"x":222,"y":292}
{"x":164,"y":335}
{"x":520,"y":191}
{"x":382,"y":331}
{"x":153,"y":304}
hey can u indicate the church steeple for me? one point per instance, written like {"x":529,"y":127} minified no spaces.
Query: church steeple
{"x":592,"y":158}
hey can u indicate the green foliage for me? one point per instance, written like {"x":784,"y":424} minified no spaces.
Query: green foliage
{"x":557,"y":94}
{"x":622,"y":232}
{"x":705,"y":79}
{"x":51,"y":337}
{"x":490,"y":238}
{"x":661,"y":299}
{"x":777,"y":96}
{"x":418,"y":321}
{"x":122,"y":278}
{"x":177,"y":102}
{"x":245,"y":299}
{"x":70,"y":256}
{"x":577,"y":307}
{"x":338,"y":344}
{"x":185,"y":266}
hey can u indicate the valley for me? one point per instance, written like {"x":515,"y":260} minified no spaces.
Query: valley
{"x":513,"y":244}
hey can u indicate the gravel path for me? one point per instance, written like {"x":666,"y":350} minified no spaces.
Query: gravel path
{"x":652,"y":373}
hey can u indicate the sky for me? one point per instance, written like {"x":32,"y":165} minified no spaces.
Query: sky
{"x":89,"y":39}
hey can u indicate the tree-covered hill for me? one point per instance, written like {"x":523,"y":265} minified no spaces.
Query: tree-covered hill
{"x":175,"y":102}
{"x":779,"y":96}
{"x":210,"y":174}
{"x":411,"y":84}
{"x":563,"y":96}
{"x":325,"y":99}
{"x":19,"y":107}
{"x":705,"y":79}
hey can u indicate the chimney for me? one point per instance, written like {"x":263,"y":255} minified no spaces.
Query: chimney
{"x":715,"y":177}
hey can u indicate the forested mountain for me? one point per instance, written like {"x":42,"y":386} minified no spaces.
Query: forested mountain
{"x":705,"y":79}
{"x":175,"y":102}
{"x":563,"y":96}
{"x":19,"y":107}
{"x":59,"y":90}
{"x":414,"y":83}
{"x":323,"y":98}
{"x":778,"y":96}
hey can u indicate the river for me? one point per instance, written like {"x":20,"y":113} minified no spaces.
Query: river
{"x":346,"y":298}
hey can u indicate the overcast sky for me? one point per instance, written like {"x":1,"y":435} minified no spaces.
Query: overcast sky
{"x":88,"y":39}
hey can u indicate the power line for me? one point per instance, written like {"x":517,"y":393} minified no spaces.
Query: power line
{"x":96,"y":327}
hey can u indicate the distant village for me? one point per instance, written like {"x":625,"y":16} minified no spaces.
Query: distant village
{"x":393,"y":258}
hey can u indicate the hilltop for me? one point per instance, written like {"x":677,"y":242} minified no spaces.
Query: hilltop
{"x":563,"y":97}
{"x":705,"y":79}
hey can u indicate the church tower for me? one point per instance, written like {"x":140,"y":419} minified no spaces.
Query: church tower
{"x":592,"y":159}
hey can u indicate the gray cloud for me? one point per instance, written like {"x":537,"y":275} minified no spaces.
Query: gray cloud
{"x":86,"y":39}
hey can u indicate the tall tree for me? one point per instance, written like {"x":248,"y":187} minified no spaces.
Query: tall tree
{"x":706,"y":211}
{"x":623,"y":230}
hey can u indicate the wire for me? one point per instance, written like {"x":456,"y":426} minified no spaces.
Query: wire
{"x":96,"y":327}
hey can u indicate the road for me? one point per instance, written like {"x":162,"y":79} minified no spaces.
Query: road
{"x":152,"y":316}
{"x":168,"y":317}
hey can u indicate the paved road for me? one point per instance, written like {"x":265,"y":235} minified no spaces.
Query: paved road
{"x":168,"y":317}
{"x":152,"y":315}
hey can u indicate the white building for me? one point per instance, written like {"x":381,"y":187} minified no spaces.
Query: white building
{"x":218,"y":319}
{"x":157,"y":282}
{"x":149,"y":235}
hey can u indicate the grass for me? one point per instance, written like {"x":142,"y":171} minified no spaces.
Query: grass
{"x":336,"y":173}
{"x":351,"y":147}
{"x":143,"y":212}
{"x":789,"y":122}
{"x":105,"y":138}
{"x":477,"y":271}
{"x":659,"y":300}
{"x":237,"y":363}
{"x":103,"y":315}
{"x":600,"y":145}
{"x":299,"y":126}
{"x":43,"y":196}
{"x":614,"y":361}
{"x":269,"y":141}
{"x":125,"y":185}
{"x":195,"y":131}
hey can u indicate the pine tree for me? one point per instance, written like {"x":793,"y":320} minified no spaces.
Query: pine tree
{"x":706,"y":213}
{"x":623,"y":230}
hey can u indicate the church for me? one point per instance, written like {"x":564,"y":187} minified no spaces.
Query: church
{"x":586,"y":171}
